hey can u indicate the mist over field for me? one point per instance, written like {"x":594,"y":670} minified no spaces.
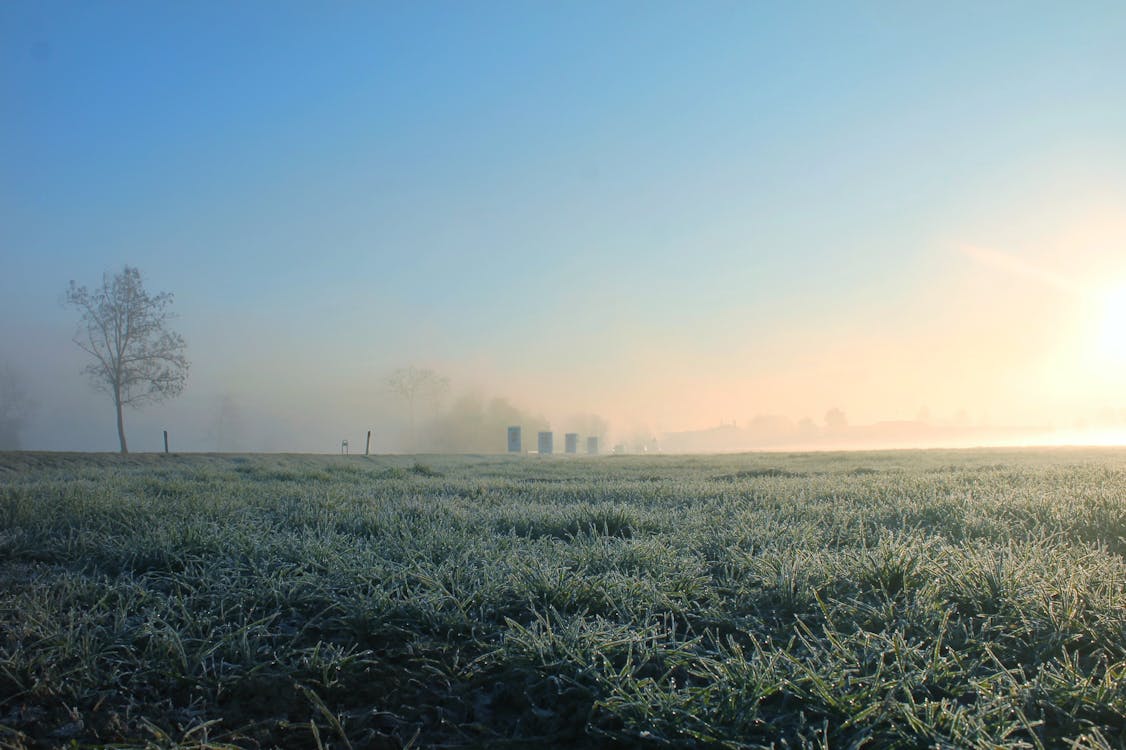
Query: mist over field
{"x":314,"y":412}
{"x":710,"y":227}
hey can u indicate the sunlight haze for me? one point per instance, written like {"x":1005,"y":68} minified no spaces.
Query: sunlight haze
{"x":711,"y":225}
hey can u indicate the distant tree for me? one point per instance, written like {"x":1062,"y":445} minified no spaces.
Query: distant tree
{"x":472,"y":424}
{"x":590,"y":425}
{"x":137,"y":359}
{"x":15,"y":407}
{"x":807,"y":428}
{"x":414,"y":384}
{"x":835,"y":419}
{"x":228,"y":426}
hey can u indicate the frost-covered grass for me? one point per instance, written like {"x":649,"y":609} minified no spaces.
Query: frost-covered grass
{"x":914,"y":599}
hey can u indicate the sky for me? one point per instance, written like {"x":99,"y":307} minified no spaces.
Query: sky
{"x":674,"y":215}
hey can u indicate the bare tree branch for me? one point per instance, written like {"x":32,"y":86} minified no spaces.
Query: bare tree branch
{"x":138,"y":360}
{"x":414,"y":383}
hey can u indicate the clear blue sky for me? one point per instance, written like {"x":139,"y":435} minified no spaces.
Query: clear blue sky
{"x":562,"y":193}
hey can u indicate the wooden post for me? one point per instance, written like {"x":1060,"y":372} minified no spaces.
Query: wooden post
{"x":166,"y":441}
{"x":367,"y":445}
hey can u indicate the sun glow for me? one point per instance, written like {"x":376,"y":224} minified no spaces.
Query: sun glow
{"x":1111,"y":342}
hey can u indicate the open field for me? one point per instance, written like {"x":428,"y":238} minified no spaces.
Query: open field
{"x":900,"y":599}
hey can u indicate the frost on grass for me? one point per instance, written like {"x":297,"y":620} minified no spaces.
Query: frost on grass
{"x":946,"y":599}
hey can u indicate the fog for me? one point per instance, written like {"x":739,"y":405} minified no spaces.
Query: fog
{"x":679,"y":227}
{"x":258,"y":400}
{"x":1015,"y":361}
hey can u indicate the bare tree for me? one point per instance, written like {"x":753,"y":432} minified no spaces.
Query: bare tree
{"x":137,"y":359}
{"x":413,"y":384}
{"x":591,"y":425}
{"x":836,"y":420}
{"x":227,"y":428}
{"x":15,"y":407}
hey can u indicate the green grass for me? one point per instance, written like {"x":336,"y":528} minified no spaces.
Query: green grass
{"x":901,"y":599}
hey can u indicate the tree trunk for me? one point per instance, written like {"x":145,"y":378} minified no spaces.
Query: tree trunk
{"x":414,"y":433}
{"x":120,"y":425}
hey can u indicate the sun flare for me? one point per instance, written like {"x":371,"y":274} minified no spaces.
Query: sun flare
{"x":1112,"y":326}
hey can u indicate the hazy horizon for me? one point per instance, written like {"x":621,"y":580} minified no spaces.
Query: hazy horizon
{"x":672,"y":217}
